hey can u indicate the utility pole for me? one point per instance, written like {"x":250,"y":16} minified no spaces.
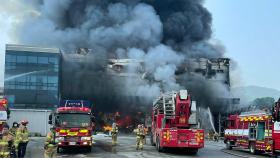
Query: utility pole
{"x":219,"y":124}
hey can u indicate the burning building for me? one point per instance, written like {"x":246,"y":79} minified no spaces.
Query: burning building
{"x":159,"y":45}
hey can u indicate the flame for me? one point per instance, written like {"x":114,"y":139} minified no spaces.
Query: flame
{"x":107,"y":128}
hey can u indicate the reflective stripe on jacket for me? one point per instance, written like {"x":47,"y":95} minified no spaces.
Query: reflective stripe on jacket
{"x":4,"y":145}
{"x":115,"y":130}
{"x":50,"y":140}
{"x":22,"y":136}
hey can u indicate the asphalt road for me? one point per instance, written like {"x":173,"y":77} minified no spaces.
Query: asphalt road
{"x":126,"y":149}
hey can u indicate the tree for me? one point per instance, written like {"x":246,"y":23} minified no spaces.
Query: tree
{"x":265,"y":102}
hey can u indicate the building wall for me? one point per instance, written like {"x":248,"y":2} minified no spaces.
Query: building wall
{"x":38,"y":119}
{"x":31,"y":77}
{"x":1,"y":92}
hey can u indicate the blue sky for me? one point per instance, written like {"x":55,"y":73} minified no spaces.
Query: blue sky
{"x":250,"y":31}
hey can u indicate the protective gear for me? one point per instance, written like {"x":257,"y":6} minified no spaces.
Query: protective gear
{"x":140,"y":135}
{"x":216,"y":137}
{"x":114,"y":133}
{"x":6,"y":143}
{"x":15,"y":124}
{"x":24,"y":122}
{"x":50,"y":145}
{"x":22,"y":140}
{"x":13,"y":132}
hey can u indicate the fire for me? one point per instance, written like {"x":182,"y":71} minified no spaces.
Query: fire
{"x":107,"y":128}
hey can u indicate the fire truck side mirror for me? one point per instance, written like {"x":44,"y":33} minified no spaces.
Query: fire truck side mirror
{"x":92,"y":119}
{"x":50,"y":119}
{"x":50,"y":122}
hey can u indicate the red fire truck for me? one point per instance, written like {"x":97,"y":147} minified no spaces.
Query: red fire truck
{"x":74,"y":123}
{"x":174,"y":123}
{"x":4,"y":112}
{"x":258,"y":131}
{"x":250,"y":130}
{"x":276,"y":128}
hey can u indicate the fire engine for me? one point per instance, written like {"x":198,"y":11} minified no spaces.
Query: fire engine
{"x":250,"y":130}
{"x":276,"y":128}
{"x":174,"y":122}
{"x":4,"y":112}
{"x":74,"y":123}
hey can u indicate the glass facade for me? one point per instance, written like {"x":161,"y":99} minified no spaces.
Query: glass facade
{"x":31,"y":78}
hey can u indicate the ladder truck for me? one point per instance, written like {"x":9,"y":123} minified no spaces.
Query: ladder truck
{"x":174,"y":122}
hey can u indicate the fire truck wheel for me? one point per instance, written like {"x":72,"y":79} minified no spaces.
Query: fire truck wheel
{"x":159,"y":148}
{"x":274,"y":155}
{"x":152,"y":141}
{"x":88,"y":149}
{"x":193,"y":151}
{"x":228,"y":145}
{"x":252,"y":148}
{"x":58,"y":150}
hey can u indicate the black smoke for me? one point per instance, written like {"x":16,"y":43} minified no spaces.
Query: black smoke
{"x":161,"y":33}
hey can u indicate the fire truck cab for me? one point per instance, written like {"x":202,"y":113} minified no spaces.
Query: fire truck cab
{"x":74,"y":123}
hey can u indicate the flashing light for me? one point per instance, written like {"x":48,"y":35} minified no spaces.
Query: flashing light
{"x":62,"y":131}
{"x":166,"y":135}
{"x":4,"y":102}
{"x":81,"y":109}
{"x":83,"y":131}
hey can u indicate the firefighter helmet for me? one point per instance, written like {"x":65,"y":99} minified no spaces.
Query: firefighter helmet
{"x":24,"y":122}
{"x":15,"y":124}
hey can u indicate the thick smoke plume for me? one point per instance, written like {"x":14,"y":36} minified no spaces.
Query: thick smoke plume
{"x":163,"y":34}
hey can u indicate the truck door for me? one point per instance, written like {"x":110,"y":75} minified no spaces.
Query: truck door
{"x":260,"y":130}
{"x":252,"y":131}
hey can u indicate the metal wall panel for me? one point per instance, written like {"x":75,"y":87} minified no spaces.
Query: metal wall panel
{"x":38,"y":119}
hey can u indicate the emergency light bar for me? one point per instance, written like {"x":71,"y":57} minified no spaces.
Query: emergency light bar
{"x":76,"y":109}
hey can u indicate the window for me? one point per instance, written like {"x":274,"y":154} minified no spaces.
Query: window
{"x":52,"y":79}
{"x":20,"y":86}
{"x":42,"y":79}
{"x":21,"y":79}
{"x":43,"y":60}
{"x":21,"y":59}
{"x":32,"y":78}
{"x":32,"y":59}
{"x":10,"y":66}
{"x":10,"y":58}
{"x":53,"y":60}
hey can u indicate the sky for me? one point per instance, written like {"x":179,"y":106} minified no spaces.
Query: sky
{"x":250,"y":32}
{"x":248,"y":29}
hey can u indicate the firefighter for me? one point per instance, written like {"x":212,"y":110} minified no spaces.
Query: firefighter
{"x":6,"y":143}
{"x":13,"y":132}
{"x":211,"y":135}
{"x":22,"y":138}
{"x":50,"y":144}
{"x":114,"y":133}
{"x":140,"y":134}
{"x":216,"y":137}
{"x":145,"y":133}
{"x":14,"y":128}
